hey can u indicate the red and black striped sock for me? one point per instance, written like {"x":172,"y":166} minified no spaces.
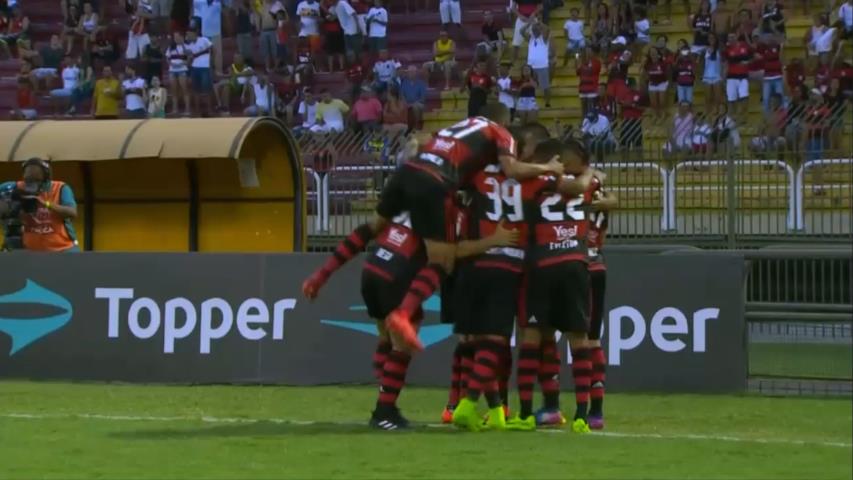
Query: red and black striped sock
{"x":505,"y":371}
{"x":581,"y":371}
{"x":466,"y":366}
{"x":426,"y":282}
{"x":455,"y":375}
{"x":527,"y":369}
{"x":596,"y":392}
{"x":484,"y":375}
{"x":549,"y":374}
{"x":349,"y":247}
{"x":393,"y":379}
{"x":379,"y":357}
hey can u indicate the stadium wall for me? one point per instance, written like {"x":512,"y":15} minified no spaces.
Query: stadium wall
{"x":160,"y":185}
{"x":674,"y":322}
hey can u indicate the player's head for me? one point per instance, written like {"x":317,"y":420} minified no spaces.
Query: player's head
{"x":571,"y":153}
{"x":528,"y":137}
{"x":495,"y":112}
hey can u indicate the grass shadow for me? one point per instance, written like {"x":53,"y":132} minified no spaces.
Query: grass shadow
{"x":267,"y":429}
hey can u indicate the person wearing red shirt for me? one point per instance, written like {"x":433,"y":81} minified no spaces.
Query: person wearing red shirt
{"x":738,"y":56}
{"x":817,"y":122}
{"x":842,"y":74}
{"x":770,"y":54}
{"x":355,"y":76}
{"x":656,"y":73}
{"x":618,"y":63}
{"x":631,"y":132}
{"x":479,"y":84}
{"x":795,"y":76}
{"x":333,"y":34}
{"x":589,"y":74}
{"x":822,"y":77}
{"x":772,"y":134}
{"x":685,"y":76}
{"x":26,"y":98}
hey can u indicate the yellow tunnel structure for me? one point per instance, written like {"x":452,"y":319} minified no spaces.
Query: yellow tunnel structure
{"x":171,"y":185}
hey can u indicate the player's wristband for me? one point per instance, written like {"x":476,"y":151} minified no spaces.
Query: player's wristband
{"x":47,"y":205}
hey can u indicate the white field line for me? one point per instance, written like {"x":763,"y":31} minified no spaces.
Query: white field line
{"x":284,"y":421}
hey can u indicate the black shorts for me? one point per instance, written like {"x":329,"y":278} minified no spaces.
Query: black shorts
{"x":485,"y":301}
{"x":429,"y":201}
{"x":380,"y":296}
{"x":598,"y":286}
{"x":558,"y":297}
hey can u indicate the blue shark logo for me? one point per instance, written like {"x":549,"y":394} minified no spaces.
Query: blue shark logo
{"x":26,"y":331}
{"x":429,"y":334}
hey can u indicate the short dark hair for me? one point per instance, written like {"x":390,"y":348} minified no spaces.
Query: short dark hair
{"x":494,"y":111}
{"x":553,"y":147}
{"x":536,"y":132}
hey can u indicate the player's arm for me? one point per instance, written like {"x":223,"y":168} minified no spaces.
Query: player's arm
{"x":522,"y":170}
{"x":577,"y":185}
{"x":607,"y":201}
{"x":502,"y":237}
{"x":355,"y":243}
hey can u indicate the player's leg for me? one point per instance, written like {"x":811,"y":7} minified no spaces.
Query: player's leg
{"x":349,"y":247}
{"x":387,"y":415}
{"x":573,"y":319}
{"x":533,"y":307}
{"x":599,"y":361}
{"x":371,"y":288}
{"x":549,"y":380}
{"x":383,"y":348}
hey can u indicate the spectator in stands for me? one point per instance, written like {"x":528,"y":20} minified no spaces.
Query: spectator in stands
{"x":267,"y":24}
{"x":413,"y":90}
{"x":330,"y":114}
{"x":355,"y":77}
{"x":631,"y":131}
{"x":618,"y":63}
{"x":479,"y":84}
{"x":738,"y":56}
{"x":377,"y":26}
{"x":25,"y":96}
{"x":576,"y":42}
{"x":262,"y":97}
{"x":527,"y":109}
{"x":795,"y":76}
{"x":199,"y":49}
{"x":366,"y":112}
{"x":816,"y":125}
{"x":721,"y":20}
{"x":601,"y":28}
{"x":822,"y":77}
{"x":361,"y":8}
{"x":712,"y":75}
{"x":642,"y":28}
{"x":309,"y":24}
{"x":48,"y":61}
{"x":69,"y":26}
{"x":153,"y":57}
{"x":795,"y":121}
{"x":19,"y":26}
{"x":133,"y":89}
{"x":444,"y":57}
{"x":845,"y":15}
{"x":450,"y":12}
{"x":525,"y":11}
{"x":842,"y":75}
{"x":598,"y":135}
{"x":70,"y":77}
{"x":245,"y":29}
{"x":724,"y":131}
{"x":157,"y":98}
{"x":105,"y":47}
{"x":540,"y":57}
{"x":85,"y":87}
{"x":589,"y":75}
{"x":506,"y":90}
{"x":680,"y":141}
{"x":819,"y":38}
{"x":333,"y":35}
{"x":773,"y":20}
{"x":668,"y":15}
{"x":307,"y":111}
{"x":349,"y":24}
{"x":769,"y":52}
{"x":210,"y":13}
{"x":493,"y":35}
{"x":239,"y":74}
{"x":395,"y":113}
{"x":137,"y":35}
{"x":744,"y":25}
{"x":700,"y":24}
{"x":384,"y":72}
{"x":840,"y":95}
{"x":771,"y":136}
{"x":87,"y":26}
{"x":178,"y":56}
{"x":107,"y":95}
{"x":656,"y":73}
{"x":282,"y":37}
{"x":26,"y":51}
{"x":685,"y":76}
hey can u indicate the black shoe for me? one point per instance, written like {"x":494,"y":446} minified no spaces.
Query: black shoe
{"x":388,"y":420}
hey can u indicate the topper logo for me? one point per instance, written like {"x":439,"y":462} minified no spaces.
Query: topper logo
{"x":397,"y":237}
{"x":666,"y":329}
{"x":443,"y":145}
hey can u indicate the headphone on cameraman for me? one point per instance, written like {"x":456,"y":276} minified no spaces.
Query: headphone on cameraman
{"x":43,"y":164}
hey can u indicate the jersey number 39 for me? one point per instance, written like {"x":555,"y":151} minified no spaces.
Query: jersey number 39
{"x":506,"y":200}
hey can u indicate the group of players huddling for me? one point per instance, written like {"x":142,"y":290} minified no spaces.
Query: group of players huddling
{"x":510,"y":224}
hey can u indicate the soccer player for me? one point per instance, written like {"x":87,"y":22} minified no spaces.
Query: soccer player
{"x":558,"y":279}
{"x":399,"y":256}
{"x":602,"y":203}
{"x":426,"y":185}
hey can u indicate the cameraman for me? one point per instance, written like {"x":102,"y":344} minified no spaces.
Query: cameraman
{"x":42,"y":207}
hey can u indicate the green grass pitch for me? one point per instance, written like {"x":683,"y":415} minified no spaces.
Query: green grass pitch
{"x":62,"y":430}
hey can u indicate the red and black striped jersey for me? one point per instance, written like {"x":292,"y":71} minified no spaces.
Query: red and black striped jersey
{"x":497,"y":198}
{"x":399,"y":254}
{"x":597,"y":230}
{"x":455,"y":154}
{"x":558,"y":227}
{"x":738,"y":56}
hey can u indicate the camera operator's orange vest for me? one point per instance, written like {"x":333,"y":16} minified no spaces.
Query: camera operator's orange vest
{"x":44,"y":231}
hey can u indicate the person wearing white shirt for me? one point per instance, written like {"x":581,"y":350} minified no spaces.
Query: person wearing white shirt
{"x":349,"y":24}
{"x":642,"y":27}
{"x":574,"y":33}
{"x":598,"y":134}
{"x":451,"y":12}
{"x":377,"y":25}
{"x":845,"y":14}
{"x":385,"y":71}
{"x":200,"y":77}
{"x":308,"y":110}
{"x":133,"y":88}
{"x":70,"y":78}
{"x":263,"y":97}
{"x":539,"y":57}
{"x":177,"y":56}
{"x":309,"y":23}
{"x":210,"y":14}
